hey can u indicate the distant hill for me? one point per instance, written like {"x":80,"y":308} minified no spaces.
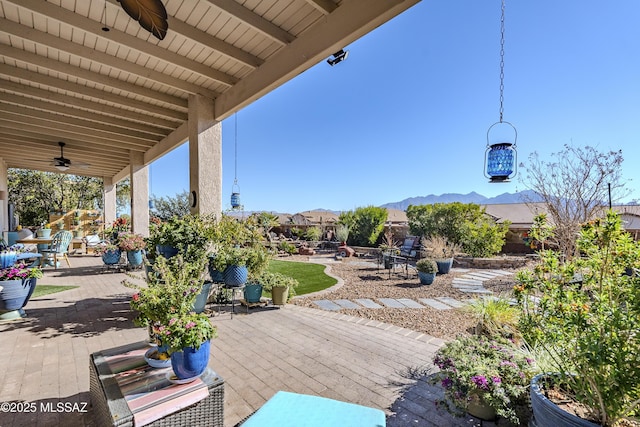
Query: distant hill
{"x":472,"y":197}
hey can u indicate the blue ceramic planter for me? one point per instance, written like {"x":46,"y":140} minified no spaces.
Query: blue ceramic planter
{"x":14,"y":296}
{"x":235,"y":275}
{"x":426,"y":278}
{"x":190,"y":362}
{"x":7,"y":259}
{"x":134,"y":258}
{"x":216,"y":275}
{"x":111,"y":257}
{"x":444,"y":266}
{"x":166,"y":251}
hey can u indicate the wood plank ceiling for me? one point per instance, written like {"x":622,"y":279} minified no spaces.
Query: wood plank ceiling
{"x":107,"y":94}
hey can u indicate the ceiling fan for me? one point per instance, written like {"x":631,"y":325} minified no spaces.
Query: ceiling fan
{"x":62,"y":163}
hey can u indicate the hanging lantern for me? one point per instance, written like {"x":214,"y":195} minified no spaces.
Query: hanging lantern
{"x":235,"y":197}
{"x":501,"y":156}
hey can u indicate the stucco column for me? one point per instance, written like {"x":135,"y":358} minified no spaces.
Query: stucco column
{"x":4,"y":199}
{"x":205,"y":157}
{"x":109,"y":192}
{"x":139,"y":177}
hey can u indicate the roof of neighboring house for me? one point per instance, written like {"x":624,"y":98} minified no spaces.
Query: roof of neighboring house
{"x":520,"y":214}
{"x":396,"y":216}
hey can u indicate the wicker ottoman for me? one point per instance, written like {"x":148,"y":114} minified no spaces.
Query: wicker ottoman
{"x":110,"y":408}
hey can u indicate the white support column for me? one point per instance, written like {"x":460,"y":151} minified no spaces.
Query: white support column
{"x":139,"y":194}
{"x":205,"y":157}
{"x":4,"y":199}
{"x":109,"y":201}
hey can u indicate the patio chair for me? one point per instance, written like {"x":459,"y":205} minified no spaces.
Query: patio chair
{"x":287,"y":409}
{"x":92,"y":242}
{"x":59,"y":247}
{"x":410,"y":247}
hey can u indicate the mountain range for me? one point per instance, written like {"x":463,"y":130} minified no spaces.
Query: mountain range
{"x":472,"y":197}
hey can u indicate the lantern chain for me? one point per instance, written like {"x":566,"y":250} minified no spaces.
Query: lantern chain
{"x":235,"y":165}
{"x":502,"y":62}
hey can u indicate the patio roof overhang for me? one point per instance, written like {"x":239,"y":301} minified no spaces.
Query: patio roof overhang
{"x":111,"y":94}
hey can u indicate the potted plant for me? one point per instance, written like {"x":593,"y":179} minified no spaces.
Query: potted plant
{"x":483,"y":377}
{"x":189,"y":235}
{"x":427,"y":269}
{"x":583,"y":315}
{"x":187,"y":337}
{"x":132,"y":244}
{"x":167,"y":305}
{"x":109,"y":252}
{"x":442,"y":251}
{"x":44,"y":231}
{"x":280,"y":286}
{"x":17,"y":283}
{"x":236,"y":262}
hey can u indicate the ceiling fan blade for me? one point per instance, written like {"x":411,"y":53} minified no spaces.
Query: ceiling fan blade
{"x":151,"y":15}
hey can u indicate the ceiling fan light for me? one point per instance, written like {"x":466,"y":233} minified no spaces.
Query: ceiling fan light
{"x":62,"y":168}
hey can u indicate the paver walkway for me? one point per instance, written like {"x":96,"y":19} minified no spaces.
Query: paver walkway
{"x":470,"y":282}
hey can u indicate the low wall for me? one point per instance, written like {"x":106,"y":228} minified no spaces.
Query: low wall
{"x":491,"y":263}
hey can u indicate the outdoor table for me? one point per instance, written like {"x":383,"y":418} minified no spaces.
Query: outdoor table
{"x":126,"y":391}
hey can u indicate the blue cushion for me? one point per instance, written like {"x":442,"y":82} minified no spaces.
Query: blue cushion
{"x":286,"y":409}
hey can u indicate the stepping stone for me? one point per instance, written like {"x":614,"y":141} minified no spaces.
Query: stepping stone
{"x":367,"y":303}
{"x":475,"y":290}
{"x":434,"y":303}
{"x":345,"y":303}
{"x":325,"y":304}
{"x":468,"y":281}
{"x":467,"y":285}
{"x":391,"y":303}
{"x":452,"y":302}
{"x":479,"y":276}
{"x":410,"y":303}
{"x":501,"y":273}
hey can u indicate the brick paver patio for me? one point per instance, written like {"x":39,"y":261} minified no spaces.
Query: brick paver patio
{"x":45,"y":356}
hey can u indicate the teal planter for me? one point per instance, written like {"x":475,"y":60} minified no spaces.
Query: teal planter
{"x":134,"y":258}
{"x":166,"y":251}
{"x":201,"y":299}
{"x":253,"y":292}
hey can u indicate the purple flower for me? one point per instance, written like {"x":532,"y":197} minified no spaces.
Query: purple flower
{"x":507,"y":363}
{"x":529,"y":361}
{"x":496,"y":380}
{"x":480,"y":381}
{"x":446,"y":383}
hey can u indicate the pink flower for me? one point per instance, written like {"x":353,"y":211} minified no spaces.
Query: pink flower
{"x":190,"y":325}
{"x":172,"y":321}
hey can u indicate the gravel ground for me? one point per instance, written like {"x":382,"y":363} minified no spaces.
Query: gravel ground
{"x":365,"y":280}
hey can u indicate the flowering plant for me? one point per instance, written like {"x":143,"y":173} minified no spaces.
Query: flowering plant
{"x":186,"y":330}
{"x":170,"y":291}
{"x":131,"y":241}
{"x":106,"y":247}
{"x":20,"y":271}
{"x":492,"y":371}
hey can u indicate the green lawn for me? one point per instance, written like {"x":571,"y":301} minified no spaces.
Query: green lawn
{"x":310,"y":276}
{"x":42,"y":290}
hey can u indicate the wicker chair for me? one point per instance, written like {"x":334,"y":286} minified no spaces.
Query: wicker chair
{"x":59,"y":247}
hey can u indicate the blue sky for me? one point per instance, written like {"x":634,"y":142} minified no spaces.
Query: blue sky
{"x":408,"y":112}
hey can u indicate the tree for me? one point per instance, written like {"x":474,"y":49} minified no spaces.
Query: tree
{"x":167,"y":208}
{"x":365,"y":224}
{"x":464,"y":224}
{"x":574,"y":188}
{"x":34,"y":194}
